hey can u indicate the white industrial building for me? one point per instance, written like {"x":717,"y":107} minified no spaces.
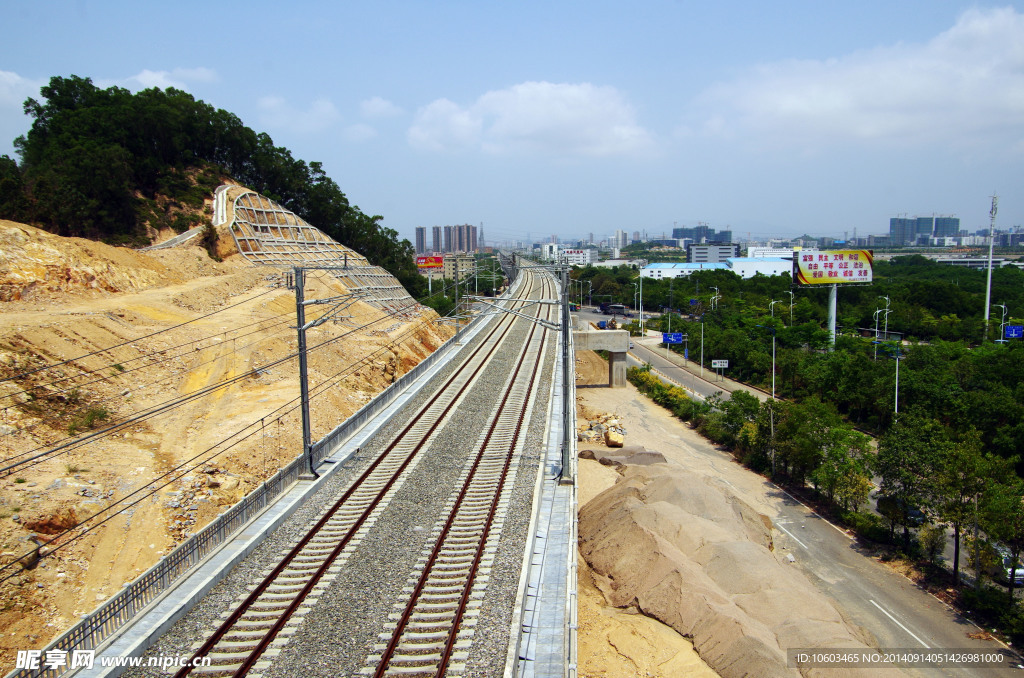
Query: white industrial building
{"x":580,"y":257}
{"x":745,"y":267}
{"x":748,"y":267}
{"x":666,"y":271}
{"x":770,"y":252}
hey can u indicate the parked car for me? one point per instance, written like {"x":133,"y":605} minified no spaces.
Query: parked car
{"x":895,"y":509}
{"x":1005,"y":567}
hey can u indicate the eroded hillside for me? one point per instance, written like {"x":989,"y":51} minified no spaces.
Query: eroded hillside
{"x":122,"y":370}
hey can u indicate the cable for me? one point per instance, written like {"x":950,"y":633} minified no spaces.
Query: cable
{"x":162,"y":407}
{"x":147,"y":336}
{"x":154,"y":490}
{"x":137,"y":389}
{"x":151,"y":364}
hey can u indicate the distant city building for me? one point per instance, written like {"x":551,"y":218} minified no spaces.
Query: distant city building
{"x":438,"y":239}
{"x":457,"y":238}
{"x":919,"y":230}
{"x":701,"y":233}
{"x":636,"y":236}
{"x":549,"y":251}
{"x":712,"y":253}
{"x":620,"y":239}
{"x":463,"y":262}
{"x":421,"y":240}
{"x":947,"y":227}
{"x":665,"y":243}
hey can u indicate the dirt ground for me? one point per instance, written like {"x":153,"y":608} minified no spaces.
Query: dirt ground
{"x":613,"y":642}
{"x":169,"y":327}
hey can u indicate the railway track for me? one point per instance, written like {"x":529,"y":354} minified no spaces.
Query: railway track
{"x":433,"y":621}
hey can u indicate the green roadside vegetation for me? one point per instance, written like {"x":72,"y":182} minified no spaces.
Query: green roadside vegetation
{"x":949,"y":460}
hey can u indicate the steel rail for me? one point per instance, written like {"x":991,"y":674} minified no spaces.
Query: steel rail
{"x":504,"y":328}
{"x":449,"y":643}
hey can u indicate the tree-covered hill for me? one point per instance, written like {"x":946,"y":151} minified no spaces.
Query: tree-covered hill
{"x":105,"y":163}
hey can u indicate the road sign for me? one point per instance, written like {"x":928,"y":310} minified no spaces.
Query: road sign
{"x":673,"y":338}
{"x":693,"y":302}
{"x":716,"y":364}
{"x":1014,"y":332}
{"x":686,"y":353}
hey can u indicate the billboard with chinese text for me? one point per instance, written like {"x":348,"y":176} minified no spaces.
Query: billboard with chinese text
{"x":814,"y":267}
{"x":430,"y":262}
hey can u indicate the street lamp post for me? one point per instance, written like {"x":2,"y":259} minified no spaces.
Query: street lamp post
{"x":771,"y":407}
{"x":886,"y":317}
{"x":875,"y":314}
{"x":771,"y":307}
{"x":791,"y":298}
{"x":1002,"y":332}
{"x":714,"y":299}
{"x":642,"y":334}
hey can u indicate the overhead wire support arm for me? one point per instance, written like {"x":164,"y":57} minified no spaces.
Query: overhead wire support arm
{"x":543,"y":323}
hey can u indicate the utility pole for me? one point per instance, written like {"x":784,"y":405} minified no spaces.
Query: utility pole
{"x":991,"y":241}
{"x":565,"y":478}
{"x":300,"y":312}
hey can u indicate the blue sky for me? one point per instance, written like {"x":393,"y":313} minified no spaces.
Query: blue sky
{"x":570,"y":118}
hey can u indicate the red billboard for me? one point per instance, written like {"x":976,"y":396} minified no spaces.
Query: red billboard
{"x":813,"y":267}
{"x":430,"y":262}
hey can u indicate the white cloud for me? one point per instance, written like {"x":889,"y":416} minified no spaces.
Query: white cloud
{"x":178,"y":78}
{"x":276,"y":112}
{"x":14,"y":89}
{"x":964,"y":86}
{"x":534,"y":117}
{"x":379,"y":108}
{"x":443,"y":126}
{"x":359,"y":132}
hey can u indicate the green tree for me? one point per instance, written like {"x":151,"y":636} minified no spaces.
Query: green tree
{"x":1003,"y":515}
{"x":908,"y":455}
{"x":960,"y":475}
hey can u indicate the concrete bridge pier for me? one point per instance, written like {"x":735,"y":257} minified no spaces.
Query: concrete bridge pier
{"x":615,"y":342}
{"x":617,"y":369}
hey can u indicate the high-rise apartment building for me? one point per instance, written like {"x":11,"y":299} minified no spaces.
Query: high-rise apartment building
{"x":421,"y":240}
{"x":914,"y":230}
{"x":947,"y":227}
{"x":438,"y":239}
{"x":460,"y":238}
{"x":701,"y":233}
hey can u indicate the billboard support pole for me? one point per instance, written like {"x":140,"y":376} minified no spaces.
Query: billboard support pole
{"x":832,"y":294}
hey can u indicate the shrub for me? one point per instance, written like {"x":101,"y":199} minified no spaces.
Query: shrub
{"x":866,"y":525}
{"x":88,"y":419}
{"x":933,"y":541}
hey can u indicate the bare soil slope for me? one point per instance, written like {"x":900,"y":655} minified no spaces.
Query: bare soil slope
{"x":208,"y":341}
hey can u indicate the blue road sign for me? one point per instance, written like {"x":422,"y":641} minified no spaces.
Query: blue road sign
{"x":686,"y":353}
{"x":693,"y":302}
{"x":673,"y":338}
{"x":1014,"y":332}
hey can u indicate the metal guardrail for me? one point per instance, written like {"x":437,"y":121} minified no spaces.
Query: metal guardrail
{"x":95,"y":628}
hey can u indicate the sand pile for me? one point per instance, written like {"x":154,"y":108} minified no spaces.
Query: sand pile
{"x":683,"y":549}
